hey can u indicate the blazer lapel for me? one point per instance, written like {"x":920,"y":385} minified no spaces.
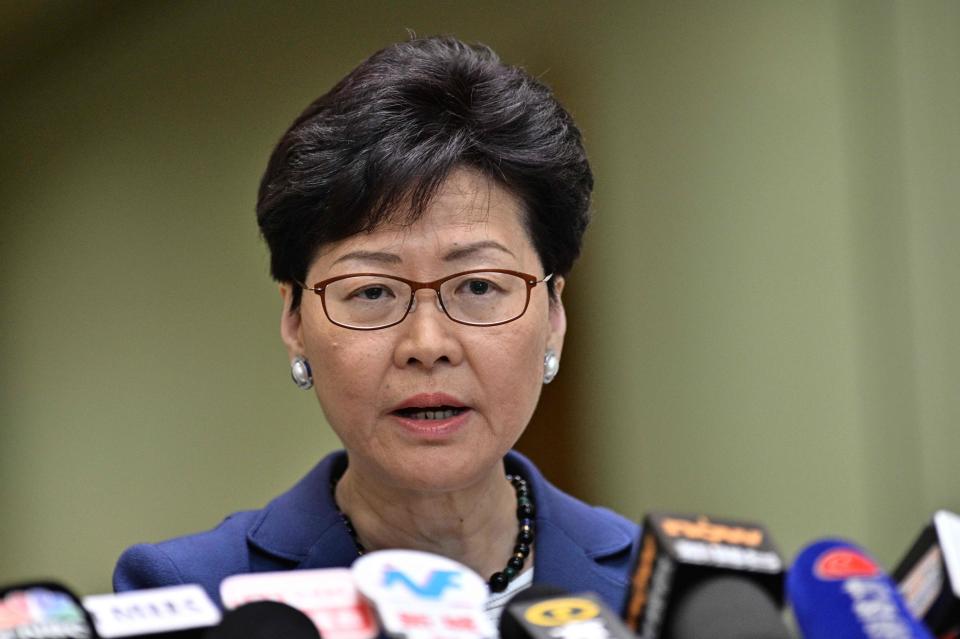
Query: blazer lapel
{"x":302,"y":527}
{"x":561,"y":562}
{"x":577,"y":547}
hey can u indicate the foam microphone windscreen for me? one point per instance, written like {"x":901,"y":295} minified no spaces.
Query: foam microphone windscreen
{"x":727,"y":608}
{"x":264,"y":620}
{"x":678,"y":551}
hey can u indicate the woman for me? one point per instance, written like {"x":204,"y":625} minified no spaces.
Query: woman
{"x":421,"y":217}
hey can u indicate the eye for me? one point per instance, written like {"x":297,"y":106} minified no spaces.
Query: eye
{"x":478,"y":287}
{"x":372,"y":292}
{"x":365,"y":289}
{"x":474,"y":286}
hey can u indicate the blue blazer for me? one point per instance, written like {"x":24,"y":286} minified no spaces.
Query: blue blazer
{"x":578,"y":547}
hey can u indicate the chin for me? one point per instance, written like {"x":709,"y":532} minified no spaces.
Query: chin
{"x":441,"y":468}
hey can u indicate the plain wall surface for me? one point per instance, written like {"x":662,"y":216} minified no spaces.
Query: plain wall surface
{"x":762,"y":325}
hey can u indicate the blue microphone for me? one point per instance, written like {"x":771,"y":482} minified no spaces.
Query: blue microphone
{"x":839,"y":592}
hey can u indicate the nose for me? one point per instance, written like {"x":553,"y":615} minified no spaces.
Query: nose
{"x":429,"y":338}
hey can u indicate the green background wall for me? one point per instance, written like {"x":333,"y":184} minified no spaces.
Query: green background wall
{"x":763,"y":325}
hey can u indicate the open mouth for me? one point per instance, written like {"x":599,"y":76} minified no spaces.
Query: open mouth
{"x":430,"y":412}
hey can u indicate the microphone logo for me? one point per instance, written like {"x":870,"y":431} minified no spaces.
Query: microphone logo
{"x":156,"y":610}
{"x":559,"y":612}
{"x":43,"y":611}
{"x":417,"y":595}
{"x":436,"y":583}
{"x":410,"y":577}
{"x":702,"y":529}
{"x":844,"y":563}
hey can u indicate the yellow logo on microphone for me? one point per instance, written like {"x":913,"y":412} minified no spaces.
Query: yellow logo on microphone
{"x":558,"y":612}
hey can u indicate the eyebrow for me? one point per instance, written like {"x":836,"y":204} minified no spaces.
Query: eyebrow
{"x":459,"y":253}
{"x":370,"y":256}
{"x":470,"y":250}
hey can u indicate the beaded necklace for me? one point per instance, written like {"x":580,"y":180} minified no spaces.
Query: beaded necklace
{"x":498,"y":581}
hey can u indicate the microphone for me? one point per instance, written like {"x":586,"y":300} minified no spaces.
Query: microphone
{"x":174,"y":612}
{"x":43,"y":610}
{"x":509,"y":627}
{"x":327,"y":596}
{"x":929,"y":575}
{"x":548,"y":613}
{"x":678,"y":552}
{"x":727,"y":608}
{"x":839,"y":592}
{"x":264,"y":620}
{"x":418,"y":595}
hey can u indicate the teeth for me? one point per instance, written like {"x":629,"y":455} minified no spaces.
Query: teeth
{"x":434,"y":414}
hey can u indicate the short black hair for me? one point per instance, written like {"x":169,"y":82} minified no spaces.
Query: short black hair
{"x":381,"y":142}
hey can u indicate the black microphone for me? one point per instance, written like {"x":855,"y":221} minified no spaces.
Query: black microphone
{"x":509,"y":626}
{"x":680,"y":552}
{"x":173,"y":612}
{"x":43,"y":610}
{"x":264,"y":620}
{"x":929,"y":575}
{"x":543,"y":613}
{"x":727,"y":608}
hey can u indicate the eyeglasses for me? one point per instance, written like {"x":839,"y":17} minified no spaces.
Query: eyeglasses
{"x":368,"y":301}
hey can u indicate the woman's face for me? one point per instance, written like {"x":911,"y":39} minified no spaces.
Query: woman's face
{"x":369,"y":381}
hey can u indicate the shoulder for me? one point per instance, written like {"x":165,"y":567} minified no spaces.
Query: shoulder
{"x":277,"y":537}
{"x":596,"y":528}
{"x":602,"y":535}
{"x":201,"y":558}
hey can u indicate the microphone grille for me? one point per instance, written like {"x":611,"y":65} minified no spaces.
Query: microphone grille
{"x":727,"y":608}
{"x":264,"y":620}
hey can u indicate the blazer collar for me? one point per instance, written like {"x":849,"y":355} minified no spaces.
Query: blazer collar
{"x":304,"y":528}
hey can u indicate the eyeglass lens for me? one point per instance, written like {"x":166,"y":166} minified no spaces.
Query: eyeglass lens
{"x":371,"y":301}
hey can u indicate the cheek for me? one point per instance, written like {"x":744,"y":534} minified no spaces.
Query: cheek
{"x":510,"y":362}
{"x":347,"y":370}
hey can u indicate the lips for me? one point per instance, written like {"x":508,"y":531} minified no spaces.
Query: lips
{"x":430,"y":406}
{"x":440,"y":412}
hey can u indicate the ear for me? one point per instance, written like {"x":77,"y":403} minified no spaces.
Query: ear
{"x":290,"y":323}
{"x":557,"y":317}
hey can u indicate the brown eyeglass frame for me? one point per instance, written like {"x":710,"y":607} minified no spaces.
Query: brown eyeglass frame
{"x":320,"y":287}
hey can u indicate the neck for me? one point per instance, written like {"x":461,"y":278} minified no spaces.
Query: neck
{"x":475,"y":525}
